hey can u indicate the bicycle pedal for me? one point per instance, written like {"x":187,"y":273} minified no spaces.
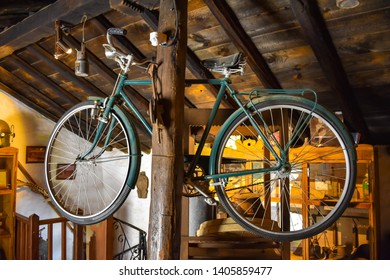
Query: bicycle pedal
{"x":210,"y":201}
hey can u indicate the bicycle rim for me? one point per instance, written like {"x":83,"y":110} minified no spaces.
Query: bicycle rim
{"x":301,"y":198}
{"x":90,"y":190}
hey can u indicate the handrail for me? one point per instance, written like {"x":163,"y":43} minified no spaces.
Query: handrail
{"x":28,"y":239}
{"x":128,"y":251}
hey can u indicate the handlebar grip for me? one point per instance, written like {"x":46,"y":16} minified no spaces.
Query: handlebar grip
{"x":116,"y":31}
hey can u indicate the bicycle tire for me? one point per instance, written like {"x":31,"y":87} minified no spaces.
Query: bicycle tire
{"x":278,"y":204}
{"x":89,"y":191}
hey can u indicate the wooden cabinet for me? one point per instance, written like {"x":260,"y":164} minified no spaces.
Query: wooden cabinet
{"x":8,"y":169}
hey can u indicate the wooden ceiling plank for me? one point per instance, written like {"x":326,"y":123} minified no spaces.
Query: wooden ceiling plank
{"x":27,"y":90}
{"x":65,"y":72}
{"x":317,"y":35}
{"x":33,"y":105}
{"x":41,"y":24}
{"x":65,"y":96}
{"x":231,"y":24}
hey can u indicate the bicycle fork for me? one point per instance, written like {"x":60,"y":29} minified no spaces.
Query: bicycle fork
{"x":102,"y":114}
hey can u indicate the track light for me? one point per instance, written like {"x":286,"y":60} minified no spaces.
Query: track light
{"x":81,"y":63}
{"x":61,"y":48}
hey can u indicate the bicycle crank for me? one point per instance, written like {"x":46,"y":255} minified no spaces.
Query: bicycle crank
{"x":207,"y":198}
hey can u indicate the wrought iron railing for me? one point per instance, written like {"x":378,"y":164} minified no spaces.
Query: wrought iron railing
{"x":127,"y":236}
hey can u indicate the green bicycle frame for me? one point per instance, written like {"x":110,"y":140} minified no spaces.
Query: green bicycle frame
{"x":224,"y":84}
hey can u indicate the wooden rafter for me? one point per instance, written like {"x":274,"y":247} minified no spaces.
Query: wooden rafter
{"x":40,"y":25}
{"x":229,"y":21}
{"x":317,"y":35}
{"x":64,"y":97}
{"x":65,"y":72}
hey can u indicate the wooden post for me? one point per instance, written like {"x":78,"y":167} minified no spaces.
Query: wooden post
{"x":78,"y":246}
{"x":33,"y":237}
{"x":167,"y":140}
{"x":103,"y":238}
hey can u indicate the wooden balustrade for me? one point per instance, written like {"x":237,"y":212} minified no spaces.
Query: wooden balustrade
{"x":27,"y":237}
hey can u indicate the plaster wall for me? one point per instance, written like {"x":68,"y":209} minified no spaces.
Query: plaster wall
{"x":32,"y":129}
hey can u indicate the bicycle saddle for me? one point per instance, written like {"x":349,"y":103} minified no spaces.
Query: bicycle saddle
{"x":230,"y":61}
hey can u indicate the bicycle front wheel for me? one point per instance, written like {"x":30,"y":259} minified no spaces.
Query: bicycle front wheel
{"x":303,"y":173}
{"x":89,"y":190}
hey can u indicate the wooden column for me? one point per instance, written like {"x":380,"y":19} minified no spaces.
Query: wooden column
{"x":103,"y":238}
{"x":167,"y":139}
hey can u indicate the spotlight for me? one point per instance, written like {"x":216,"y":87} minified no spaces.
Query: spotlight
{"x":61,"y":48}
{"x":64,"y":47}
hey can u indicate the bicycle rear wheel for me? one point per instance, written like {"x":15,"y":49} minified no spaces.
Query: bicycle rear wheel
{"x":300,"y":196}
{"x":87,"y":191}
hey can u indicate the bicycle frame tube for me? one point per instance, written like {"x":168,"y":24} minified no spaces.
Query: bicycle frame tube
{"x":224,"y":86}
{"x":224,"y":83}
{"x":144,"y":122}
{"x":108,"y":105}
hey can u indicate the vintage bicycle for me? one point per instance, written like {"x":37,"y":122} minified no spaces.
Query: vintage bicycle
{"x":282,"y":166}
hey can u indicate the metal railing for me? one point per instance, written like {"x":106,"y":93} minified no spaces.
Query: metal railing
{"x":126,"y":235}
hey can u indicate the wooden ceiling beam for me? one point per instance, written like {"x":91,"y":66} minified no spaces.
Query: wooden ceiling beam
{"x":41,"y":24}
{"x":243,"y":42}
{"x":317,"y":35}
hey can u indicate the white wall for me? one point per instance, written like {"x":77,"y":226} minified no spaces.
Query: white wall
{"x":32,"y":129}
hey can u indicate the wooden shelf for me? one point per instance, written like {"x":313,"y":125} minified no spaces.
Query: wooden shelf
{"x":357,"y":206}
{"x":6,"y":191}
{"x":9,"y":164}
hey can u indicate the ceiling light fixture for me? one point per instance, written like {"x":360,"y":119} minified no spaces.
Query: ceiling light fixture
{"x":61,"y":48}
{"x":81,"y":63}
{"x":347,"y":4}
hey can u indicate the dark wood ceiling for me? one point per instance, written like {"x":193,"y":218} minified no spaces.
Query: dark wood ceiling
{"x":343,"y":54}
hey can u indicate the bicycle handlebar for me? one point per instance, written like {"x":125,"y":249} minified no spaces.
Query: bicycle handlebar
{"x":115,"y":31}
{"x":124,"y":60}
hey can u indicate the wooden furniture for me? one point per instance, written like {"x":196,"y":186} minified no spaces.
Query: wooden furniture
{"x":8,"y":169}
{"x":359,"y":220}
